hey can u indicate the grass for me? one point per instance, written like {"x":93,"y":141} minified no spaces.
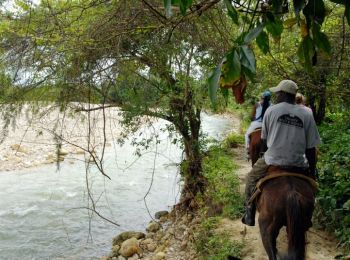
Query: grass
{"x":215,"y":245}
{"x":221,"y":199}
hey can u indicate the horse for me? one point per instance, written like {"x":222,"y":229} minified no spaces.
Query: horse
{"x":255,"y":145}
{"x":285,"y":201}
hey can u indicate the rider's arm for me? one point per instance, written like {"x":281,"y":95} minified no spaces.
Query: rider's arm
{"x":312,"y":159}
{"x":263,"y":148}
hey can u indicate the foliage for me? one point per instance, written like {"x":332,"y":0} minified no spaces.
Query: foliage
{"x":333,"y":198}
{"x":223,"y":183}
{"x":215,"y":245}
{"x":233,"y":140}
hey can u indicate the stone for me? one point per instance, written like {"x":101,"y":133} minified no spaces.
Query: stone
{"x":160,"y":256}
{"x":152,"y":247}
{"x":115,"y":250}
{"x":130,"y":247}
{"x":126,"y":235}
{"x":153,"y":226}
{"x":134,"y":257}
{"x":121,"y":257}
{"x":160,"y":214}
{"x":149,"y":235}
{"x":163,"y":219}
{"x":104,"y":258}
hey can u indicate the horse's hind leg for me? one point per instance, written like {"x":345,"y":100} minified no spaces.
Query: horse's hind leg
{"x":269,"y":232}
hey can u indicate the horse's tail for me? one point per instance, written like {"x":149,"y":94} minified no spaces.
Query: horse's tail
{"x":295,"y":227}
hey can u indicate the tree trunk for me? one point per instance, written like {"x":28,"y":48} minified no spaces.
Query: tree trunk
{"x":187,"y":121}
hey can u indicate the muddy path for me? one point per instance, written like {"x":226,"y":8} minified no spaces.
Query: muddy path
{"x":320,"y":245}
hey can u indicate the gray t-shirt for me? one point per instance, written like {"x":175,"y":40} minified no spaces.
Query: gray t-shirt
{"x":289,"y":130}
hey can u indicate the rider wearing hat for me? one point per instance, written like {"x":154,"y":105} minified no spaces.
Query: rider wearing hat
{"x":289,"y":134}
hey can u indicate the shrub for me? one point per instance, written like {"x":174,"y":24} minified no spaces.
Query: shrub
{"x":333,"y":200}
{"x":233,"y":140}
{"x":223,"y":183}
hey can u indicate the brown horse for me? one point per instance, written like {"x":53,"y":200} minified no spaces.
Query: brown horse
{"x":285,"y":201}
{"x":255,"y":145}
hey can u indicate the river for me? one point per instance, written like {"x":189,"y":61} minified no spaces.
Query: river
{"x":43,"y":210}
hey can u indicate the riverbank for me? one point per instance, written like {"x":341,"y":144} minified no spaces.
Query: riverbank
{"x":44,"y":135}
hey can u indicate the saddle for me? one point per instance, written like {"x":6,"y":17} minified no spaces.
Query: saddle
{"x":283,"y":171}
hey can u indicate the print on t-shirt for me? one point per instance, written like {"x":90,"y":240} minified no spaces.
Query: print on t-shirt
{"x":292,"y":120}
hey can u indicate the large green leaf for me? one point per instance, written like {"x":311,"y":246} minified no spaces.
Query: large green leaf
{"x":263,"y":42}
{"x":232,"y":12}
{"x":274,"y":25}
{"x":253,"y":33}
{"x":305,"y":52}
{"x":231,"y":69}
{"x":248,"y":59}
{"x":320,"y":39}
{"x":213,"y":83}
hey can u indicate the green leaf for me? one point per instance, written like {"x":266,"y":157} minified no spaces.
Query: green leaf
{"x":274,"y":25}
{"x":184,"y":5}
{"x":253,"y":33}
{"x":231,"y":68}
{"x":263,"y":42}
{"x":167,"y":7}
{"x":232,"y":12}
{"x":320,"y":39}
{"x":248,"y":59}
{"x":305,"y":52}
{"x":213,"y":83}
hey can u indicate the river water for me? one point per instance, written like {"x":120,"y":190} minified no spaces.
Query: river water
{"x":43,"y":210}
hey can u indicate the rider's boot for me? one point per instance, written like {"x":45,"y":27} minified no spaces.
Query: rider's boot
{"x":249,"y":216}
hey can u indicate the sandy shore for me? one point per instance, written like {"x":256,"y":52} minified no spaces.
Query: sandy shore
{"x":32,"y":139}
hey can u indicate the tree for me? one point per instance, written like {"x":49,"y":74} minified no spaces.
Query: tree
{"x":126,"y":54}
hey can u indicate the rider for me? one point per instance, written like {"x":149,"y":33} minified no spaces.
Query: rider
{"x":258,"y":115}
{"x":288,"y":133}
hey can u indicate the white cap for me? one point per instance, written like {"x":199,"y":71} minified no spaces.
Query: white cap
{"x":286,"y":85}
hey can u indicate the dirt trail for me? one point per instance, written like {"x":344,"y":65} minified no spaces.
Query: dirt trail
{"x":320,"y":245}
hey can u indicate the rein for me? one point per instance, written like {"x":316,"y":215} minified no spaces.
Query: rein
{"x":258,"y":190}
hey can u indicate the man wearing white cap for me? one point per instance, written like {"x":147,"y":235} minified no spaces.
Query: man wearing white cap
{"x":290,"y":134}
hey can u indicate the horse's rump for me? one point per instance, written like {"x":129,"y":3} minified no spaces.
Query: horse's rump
{"x":286,"y":201}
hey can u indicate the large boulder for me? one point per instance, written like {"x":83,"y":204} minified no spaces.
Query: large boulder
{"x":130,"y":247}
{"x":126,"y":235}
